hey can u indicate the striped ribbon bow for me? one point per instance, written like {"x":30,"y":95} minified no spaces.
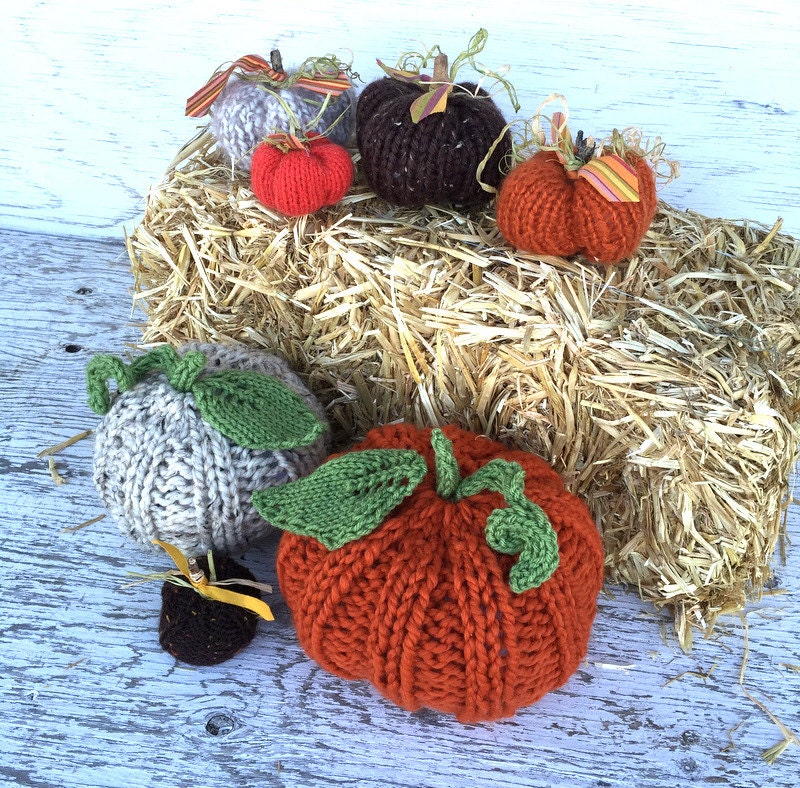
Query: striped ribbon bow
{"x":200,"y":102}
{"x":438,"y":88}
{"x":611,"y":175}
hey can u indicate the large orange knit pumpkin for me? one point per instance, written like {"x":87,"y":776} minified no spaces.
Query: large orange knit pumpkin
{"x":422,"y":606}
{"x":545,"y":208}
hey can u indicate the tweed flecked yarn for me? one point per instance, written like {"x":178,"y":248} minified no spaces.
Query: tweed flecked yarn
{"x":165,"y":473}
{"x":245,"y":113}
{"x":201,"y":631}
{"x":434,"y":161}
{"x":543,"y":209}
{"x":422,"y":607}
{"x":299,"y":182}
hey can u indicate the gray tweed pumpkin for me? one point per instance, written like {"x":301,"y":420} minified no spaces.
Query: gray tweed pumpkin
{"x":190,"y":434}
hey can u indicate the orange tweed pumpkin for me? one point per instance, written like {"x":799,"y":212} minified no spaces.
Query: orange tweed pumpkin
{"x":543,"y":208}
{"x":422,"y":607}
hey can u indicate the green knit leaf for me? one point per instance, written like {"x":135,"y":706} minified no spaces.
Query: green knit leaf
{"x":346,"y":498}
{"x":522,"y":527}
{"x":256,"y":411}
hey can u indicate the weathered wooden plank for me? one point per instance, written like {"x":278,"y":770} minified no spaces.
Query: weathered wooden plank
{"x":97,"y":97}
{"x":90,"y":699}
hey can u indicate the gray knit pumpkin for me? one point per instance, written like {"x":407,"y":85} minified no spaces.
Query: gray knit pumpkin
{"x":165,"y":473}
{"x":244,"y":114}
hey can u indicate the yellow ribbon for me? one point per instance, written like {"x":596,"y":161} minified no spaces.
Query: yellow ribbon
{"x":211,"y":591}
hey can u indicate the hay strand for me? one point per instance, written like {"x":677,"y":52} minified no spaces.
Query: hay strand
{"x":665,"y":391}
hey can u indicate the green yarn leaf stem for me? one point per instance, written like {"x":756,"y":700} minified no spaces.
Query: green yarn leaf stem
{"x":181,"y":372}
{"x":255,"y":411}
{"x":448,"y":477}
{"x":346,"y":498}
{"x":520,"y":528}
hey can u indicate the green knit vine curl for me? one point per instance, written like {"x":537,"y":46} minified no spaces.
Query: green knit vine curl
{"x":521,"y":528}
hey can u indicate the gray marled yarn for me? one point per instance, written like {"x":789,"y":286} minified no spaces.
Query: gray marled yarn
{"x":245,"y":113}
{"x":164,"y":473}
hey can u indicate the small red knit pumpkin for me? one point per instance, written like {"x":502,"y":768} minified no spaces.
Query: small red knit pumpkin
{"x":423,"y":606}
{"x":298,"y":179}
{"x":545,"y":208}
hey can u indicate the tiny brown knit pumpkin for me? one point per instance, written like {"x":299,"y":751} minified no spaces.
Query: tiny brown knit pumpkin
{"x":202,"y":631}
{"x":435,"y":160}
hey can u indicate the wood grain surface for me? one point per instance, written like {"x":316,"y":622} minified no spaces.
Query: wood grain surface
{"x":92,"y":103}
{"x":89,"y":699}
{"x":92,"y":111}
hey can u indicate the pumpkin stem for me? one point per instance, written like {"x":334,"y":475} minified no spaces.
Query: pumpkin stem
{"x":181,"y":372}
{"x":184,"y":370}
{"x":276,"y":60}
{"x":448,"y":477}
{"x":440,"y":73}
{"x":584,"y":147}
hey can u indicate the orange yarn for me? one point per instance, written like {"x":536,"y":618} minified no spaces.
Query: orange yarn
{"x":300,"y":182}
{"x":544,"y":209}
{"x":422,"y":608}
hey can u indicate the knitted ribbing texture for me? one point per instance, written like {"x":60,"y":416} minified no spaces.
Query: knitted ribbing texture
{"x":422,"y":606}
{"x":434,"y":161}
{"x":543,"y":209}
{"x":301,"y":181}
{"x":244,"y":114}
{"x":201,"y":631}
{"x":164,"y":473}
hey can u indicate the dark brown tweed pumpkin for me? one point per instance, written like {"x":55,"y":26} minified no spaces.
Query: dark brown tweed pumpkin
{"x":435,"y":160}
{"x":202,"y":631}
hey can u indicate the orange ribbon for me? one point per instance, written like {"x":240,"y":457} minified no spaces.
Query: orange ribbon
{"x":609,"y":174}
{"x":210,"y":590}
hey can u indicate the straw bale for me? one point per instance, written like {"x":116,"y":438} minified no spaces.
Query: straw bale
{"x":665,"y":391}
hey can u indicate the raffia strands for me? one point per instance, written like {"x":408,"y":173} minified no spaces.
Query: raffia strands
{"x":665,"y":391}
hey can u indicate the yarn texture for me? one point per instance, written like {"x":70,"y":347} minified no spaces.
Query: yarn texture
{"x":300,"y":182}
{"x":244,"y":114}
{"x":164,"y":472}
{"x":423,"y":606}
{"x":201,"y":631}
{"x":434,"y":161}
{"x":543,"y":209}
